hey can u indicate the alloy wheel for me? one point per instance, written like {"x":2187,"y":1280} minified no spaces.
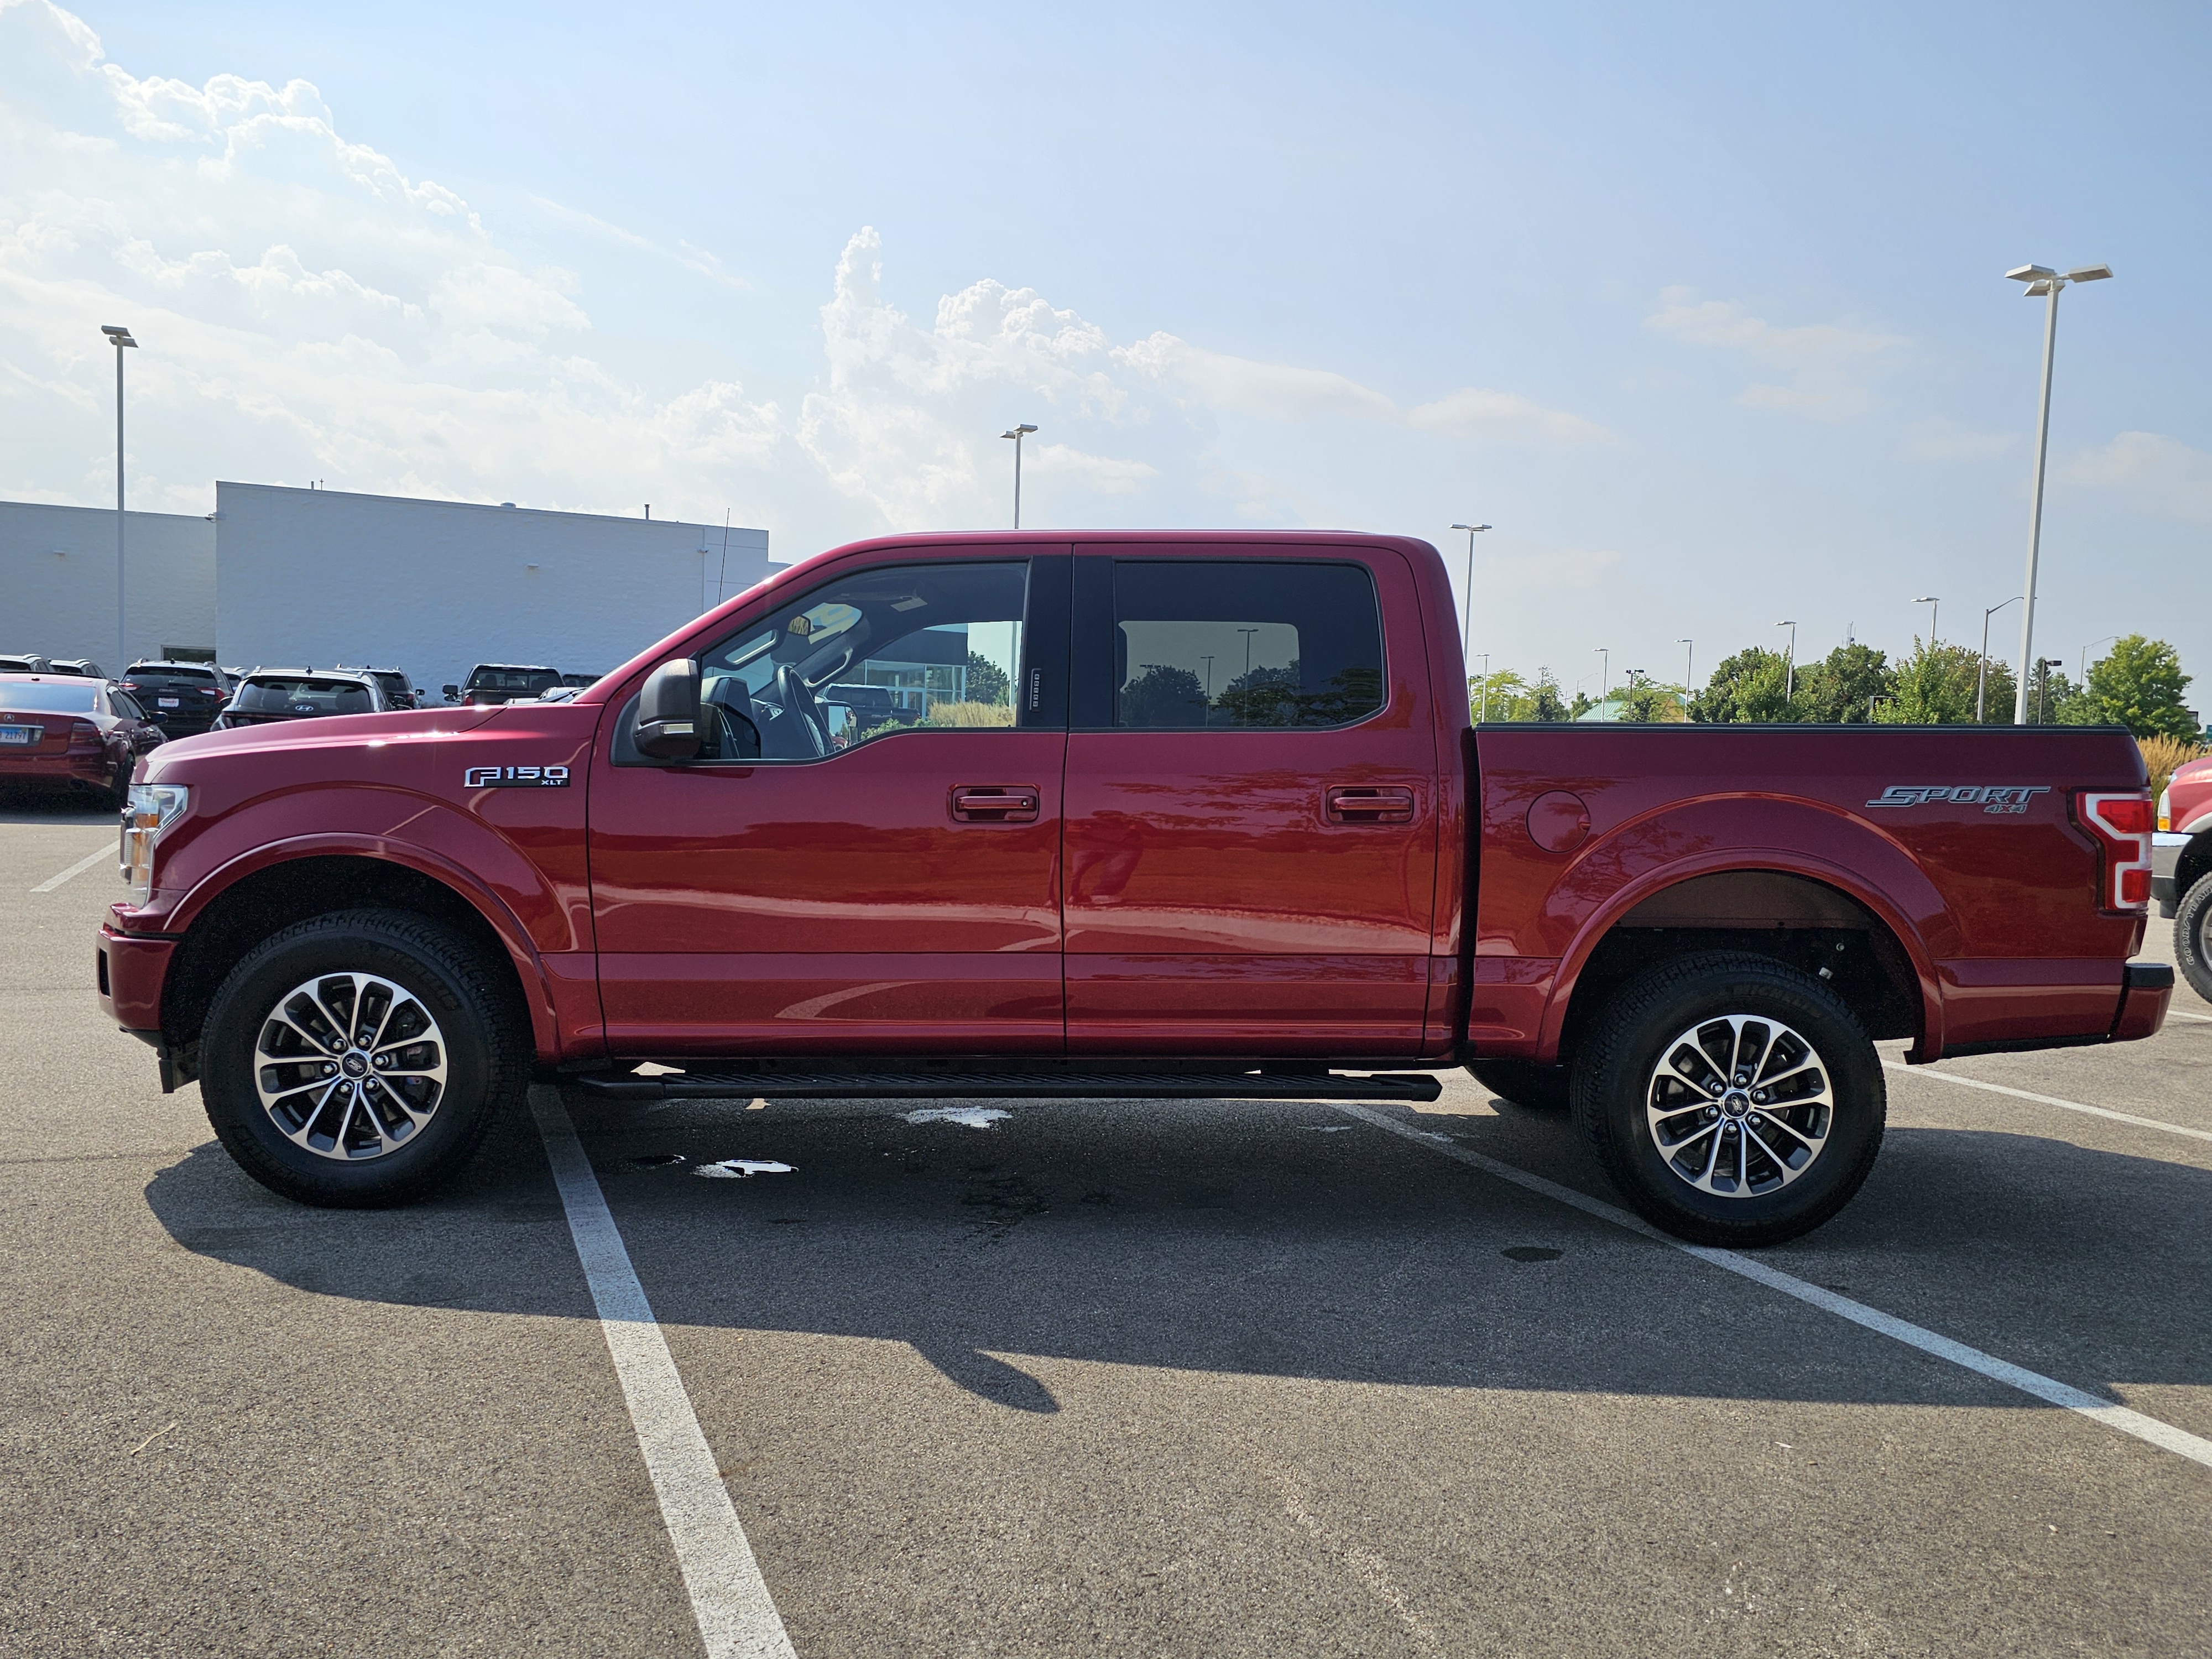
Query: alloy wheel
{"x":349,"y":1065}
{"x":1739,"y":1106}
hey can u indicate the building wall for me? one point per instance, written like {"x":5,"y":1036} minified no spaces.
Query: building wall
{"x":58,"y":581}
{"x":313,"y":578}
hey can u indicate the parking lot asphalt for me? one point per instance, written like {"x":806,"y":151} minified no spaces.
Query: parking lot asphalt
{"x":1158,"y":1378}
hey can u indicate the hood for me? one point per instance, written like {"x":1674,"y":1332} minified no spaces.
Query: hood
{"x":175,"y":761}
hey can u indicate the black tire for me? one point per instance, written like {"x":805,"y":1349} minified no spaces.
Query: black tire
{"x":1636,"y":1031}
{"x":1524,"y":1083}
{"x":482,"y":1044}
{"x":2192,"y":937}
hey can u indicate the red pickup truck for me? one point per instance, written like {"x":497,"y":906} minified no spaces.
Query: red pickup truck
{"x":1129,"y":814}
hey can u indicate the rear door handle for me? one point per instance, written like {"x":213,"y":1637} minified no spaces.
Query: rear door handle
{"x":989,"y":803}
{"x":1354,"y":804}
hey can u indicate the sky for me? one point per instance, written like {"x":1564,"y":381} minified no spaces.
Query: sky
{"x":1702,"y":308}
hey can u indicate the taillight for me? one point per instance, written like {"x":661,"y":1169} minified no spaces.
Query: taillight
{"x":2121,"y":825}
{"x":84,"y":735}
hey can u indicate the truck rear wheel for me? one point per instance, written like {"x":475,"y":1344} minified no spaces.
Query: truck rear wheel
{"x":358,"y":1059}
{"x":1733,"y":1100}
{"x":2192,"y":937}
{"x":1540,"y":1088}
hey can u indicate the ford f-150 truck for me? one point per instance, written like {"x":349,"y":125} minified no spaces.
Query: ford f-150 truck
{"x":2181,"y":869}
{"x":1160,"y":815}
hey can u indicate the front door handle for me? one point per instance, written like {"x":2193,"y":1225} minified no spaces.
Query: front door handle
{"x":991,"y":803}
{"x":1352,"y":803}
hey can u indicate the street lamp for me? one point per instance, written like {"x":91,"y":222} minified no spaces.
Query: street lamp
{"x":118,"y":338}
{"x":2082,"y":674}
{"x":1689,"y":664}
{"x":1605,"y":672}
{"x":1934,"y":609}
{"x":1791,"y":691}
{"x":2042,"y":283}
{"x":1484,"y":714}
{"x":1467,"y":620}
{"x":1247,"y":632}
{"x":1016,"y":435}
{"x":1208,"y":660}
{"x":1982,"y":678}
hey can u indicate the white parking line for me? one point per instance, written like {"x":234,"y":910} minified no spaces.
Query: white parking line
{"x":737,"y":1616}
{"x":2184,"y":1013}
{"x":2162,"y":1435}
{"x":2049,"y":1100}
{"x":76,"y":869}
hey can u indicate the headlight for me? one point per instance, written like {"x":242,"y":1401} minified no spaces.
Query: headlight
{"x":153,"y":808}
{"x":2165,"y":810}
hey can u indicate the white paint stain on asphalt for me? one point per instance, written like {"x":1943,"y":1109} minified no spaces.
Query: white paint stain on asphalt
{"x":971,"y":1117}
{"x":742,"y":1168}
{"x":2164,"y":1436}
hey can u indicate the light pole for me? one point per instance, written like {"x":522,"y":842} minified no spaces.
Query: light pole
{"x":1982,"y":679}
{"x":2082,"y":674}
{"x":2042,"y":283}
{"x":118,"y":338}
{"x":1466,"y":605}
{"x":1790,"y":691}
{"x":1208,"y":660}
{"x":1605,"y":672}
{"x":1689,"y":665}
{"x":1016,"y":435}
{"x":1484,"y":714}
{"x":1934,"y":609}
{"x":1247,"y":632}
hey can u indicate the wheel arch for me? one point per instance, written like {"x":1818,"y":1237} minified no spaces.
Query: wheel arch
{"x":255,"y":896}
{"x":1801,"y":912}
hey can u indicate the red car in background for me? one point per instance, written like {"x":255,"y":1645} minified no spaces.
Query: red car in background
{"x":58,"y":731}
{"x":2181,"y":867}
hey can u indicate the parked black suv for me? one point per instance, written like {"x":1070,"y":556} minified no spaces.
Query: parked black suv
{"x":267,"y":694}
{"x":398,"y":691}
{"x":187,"y":695}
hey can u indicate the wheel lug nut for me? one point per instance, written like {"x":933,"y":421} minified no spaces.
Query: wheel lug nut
{"x":329,"y":1070}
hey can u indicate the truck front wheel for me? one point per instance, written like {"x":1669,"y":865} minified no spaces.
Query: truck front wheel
{"x":358,"y":1059}
{"x":2192,"y":936}
{"x":1733,"y":1100}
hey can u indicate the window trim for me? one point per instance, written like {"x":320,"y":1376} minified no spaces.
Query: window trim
{"x":1092,"y":623}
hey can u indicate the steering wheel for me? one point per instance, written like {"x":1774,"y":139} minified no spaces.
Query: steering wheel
{"x":791,"y":690}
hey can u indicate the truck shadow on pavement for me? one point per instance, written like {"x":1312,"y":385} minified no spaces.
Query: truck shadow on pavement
{"x":1283,"y":1240}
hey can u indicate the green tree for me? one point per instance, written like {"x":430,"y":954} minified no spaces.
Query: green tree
{"x":1500,"y":692}
{"x":987,"y":681}
{"x":2055,"y":700}
{"x":2138,"y":684}
{"x":1652,"y":703}
{"x":1751,"y":685}
{"x":1935,"y":686}
{"x":1524,"y":701}
{"x":1838,"y":690}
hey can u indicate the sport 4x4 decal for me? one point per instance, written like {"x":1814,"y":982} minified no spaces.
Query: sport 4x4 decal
{"x":2011,"y":797}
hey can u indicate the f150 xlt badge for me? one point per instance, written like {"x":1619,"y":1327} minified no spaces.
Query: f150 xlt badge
{"x":515,"y":777}
{"x":2009,"y":797}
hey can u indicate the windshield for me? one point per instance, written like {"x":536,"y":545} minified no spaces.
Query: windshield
{"x":529,"y":680}
{"x":298,"y":695}
{"x":168,"y":679}
{"x":48,"y":699}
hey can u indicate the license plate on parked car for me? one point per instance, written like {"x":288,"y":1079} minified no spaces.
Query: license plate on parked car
{"x":19,"y":734}
{"x":164,"y":702}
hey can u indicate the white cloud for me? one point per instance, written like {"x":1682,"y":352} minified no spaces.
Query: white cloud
{"x":1827,"y":365}
{"x":2156,"y":475}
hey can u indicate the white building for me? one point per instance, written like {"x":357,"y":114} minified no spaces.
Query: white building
{"x":313,"y":578}
{"x":58,"y":582}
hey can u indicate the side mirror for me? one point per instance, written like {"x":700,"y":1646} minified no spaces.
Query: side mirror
{"x":668,"y":712}
{"x":453,"y":693}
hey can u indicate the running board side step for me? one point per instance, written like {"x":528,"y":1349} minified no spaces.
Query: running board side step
{"x":1042,"y":1084}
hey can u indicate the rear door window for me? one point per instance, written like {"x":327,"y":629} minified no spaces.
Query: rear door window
{"x":1244,"y":643}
